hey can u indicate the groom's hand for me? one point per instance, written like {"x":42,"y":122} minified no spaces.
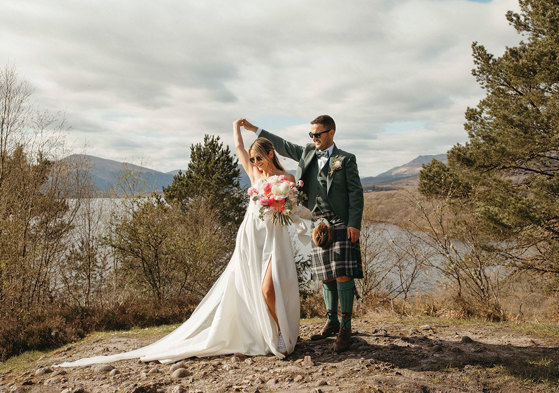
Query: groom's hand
{"x":353,"y":234}
{"x":248,"y":126}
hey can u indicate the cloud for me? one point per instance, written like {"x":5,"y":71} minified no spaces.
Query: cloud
{"x":148,"y":79}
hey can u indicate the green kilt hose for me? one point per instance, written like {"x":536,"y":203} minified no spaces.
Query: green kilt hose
{"x":342,"y":258}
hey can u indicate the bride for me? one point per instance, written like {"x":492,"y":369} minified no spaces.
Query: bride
{"x":253,"y":307}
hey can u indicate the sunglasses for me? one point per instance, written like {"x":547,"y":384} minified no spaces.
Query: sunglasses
{"x":318,"y":134}
{"x":254,"y":159}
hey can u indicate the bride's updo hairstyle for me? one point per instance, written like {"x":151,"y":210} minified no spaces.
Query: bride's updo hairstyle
{"x":262,"y":147}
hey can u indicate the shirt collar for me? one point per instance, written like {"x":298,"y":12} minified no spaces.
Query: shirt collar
{"x":330,"y":150}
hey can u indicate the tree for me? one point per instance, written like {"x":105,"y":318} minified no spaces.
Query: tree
{"x":508,"y":171}
{"x":168,"y":252}
{"x":14,"y":111}
{"x":213,"y":175}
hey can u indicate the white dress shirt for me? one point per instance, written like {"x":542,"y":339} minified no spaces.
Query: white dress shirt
{"x":323,"y":160}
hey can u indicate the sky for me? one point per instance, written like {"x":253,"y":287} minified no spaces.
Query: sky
{"x":141,"y":81}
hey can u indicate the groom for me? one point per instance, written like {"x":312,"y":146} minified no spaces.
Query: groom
{"x":331,"y":181}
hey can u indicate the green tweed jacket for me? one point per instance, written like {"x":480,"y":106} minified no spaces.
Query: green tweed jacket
{"x":344,"y":190}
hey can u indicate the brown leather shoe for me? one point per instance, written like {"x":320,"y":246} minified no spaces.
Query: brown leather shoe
{"x":343,"y":340}
{"x":328,"y":330}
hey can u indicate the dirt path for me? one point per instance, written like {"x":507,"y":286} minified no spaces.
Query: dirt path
{"x":386,"y":356}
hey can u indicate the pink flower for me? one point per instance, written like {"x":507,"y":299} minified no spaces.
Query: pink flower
{"x":252,"y":191}
{"x":291,"y":184}
{"x":264,"y":201}
{"x":267,"y":188}
{"x":284,"y":178}
{"x":301,"y":183}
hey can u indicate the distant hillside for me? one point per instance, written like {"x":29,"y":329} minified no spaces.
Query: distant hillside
{"x":105,"y":174}
{"x":399,"y":176}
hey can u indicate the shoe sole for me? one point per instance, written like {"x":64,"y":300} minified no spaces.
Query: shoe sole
{"x":318,"y":338}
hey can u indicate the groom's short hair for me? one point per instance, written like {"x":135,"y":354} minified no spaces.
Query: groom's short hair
{"x":326,"y":121}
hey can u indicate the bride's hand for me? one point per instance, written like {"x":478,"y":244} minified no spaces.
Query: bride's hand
{"x":238,"y":122}
{"x":248,"y":126}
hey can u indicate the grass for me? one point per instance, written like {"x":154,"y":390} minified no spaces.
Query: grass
{"x":25,"y":361}
{"x":33,"y":359}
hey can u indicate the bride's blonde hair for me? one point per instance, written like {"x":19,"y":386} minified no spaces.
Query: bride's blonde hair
{"x":262,"y":147}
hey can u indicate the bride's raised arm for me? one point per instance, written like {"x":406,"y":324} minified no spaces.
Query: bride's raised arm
{"x":241,"y":151}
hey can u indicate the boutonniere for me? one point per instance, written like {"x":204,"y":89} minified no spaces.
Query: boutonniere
{"x":335,"y":164}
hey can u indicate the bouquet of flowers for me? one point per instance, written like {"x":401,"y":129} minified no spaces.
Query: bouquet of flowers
{"x":277,"y":197}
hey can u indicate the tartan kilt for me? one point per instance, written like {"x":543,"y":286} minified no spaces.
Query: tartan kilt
{"x":342,"y":258}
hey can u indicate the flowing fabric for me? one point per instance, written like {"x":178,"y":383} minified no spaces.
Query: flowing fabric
{"x":233,"y":316}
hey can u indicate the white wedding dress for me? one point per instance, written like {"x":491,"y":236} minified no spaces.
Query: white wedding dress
{"x":233,"y":316}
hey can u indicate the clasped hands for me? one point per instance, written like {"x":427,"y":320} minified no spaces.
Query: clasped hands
{"x":242,"y":122}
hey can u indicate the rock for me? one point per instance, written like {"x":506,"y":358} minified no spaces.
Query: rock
{"x":114,"y":372}
{"x":52,"y":381}
{"x":307,"y":362}
{"x":177,"y":389}
{"x":103,"y":368}
{"x":316,"y":390}
{"x":298,"y":378}
{"x":322,"y":382}
{"x":272,"y":382}
{"x":43,"y":371}
{"x":426,"y":327}
{"x":176,"y":366}
{"x":145,"y":389}
{"x":16,"y":389}
{"x":180,"y":373}
{"x":289,"y":370}
{"x":466,"y":340}
{"x":154,"y":370}
{"x":248,"y":361}
{"x":59,"y":372}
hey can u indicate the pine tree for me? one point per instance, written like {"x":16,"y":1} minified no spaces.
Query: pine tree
{"x":212,"y":175}
{"x":509,"y":168}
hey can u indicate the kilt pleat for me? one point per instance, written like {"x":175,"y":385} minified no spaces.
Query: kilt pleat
{"x":342,"y":258}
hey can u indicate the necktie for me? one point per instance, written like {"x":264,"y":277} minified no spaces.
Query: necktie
{"x":322,"y":154}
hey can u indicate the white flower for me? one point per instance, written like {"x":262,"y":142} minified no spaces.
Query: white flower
{"x":281,"y":190}
{"x":335,"y":164}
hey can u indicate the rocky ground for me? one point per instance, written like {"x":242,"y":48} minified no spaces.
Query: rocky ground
{"x":387,"y":355}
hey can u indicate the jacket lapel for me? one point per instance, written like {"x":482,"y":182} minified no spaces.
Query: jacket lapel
{"x":305,"y":164}
{"x":335,"y":152}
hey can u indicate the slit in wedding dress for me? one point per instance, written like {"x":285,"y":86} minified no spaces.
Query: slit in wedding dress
{"x":270,"y":290}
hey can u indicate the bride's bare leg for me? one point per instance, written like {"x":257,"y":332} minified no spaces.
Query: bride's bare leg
{"x":269,"y":293}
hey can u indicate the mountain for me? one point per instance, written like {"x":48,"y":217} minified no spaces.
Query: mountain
{"x":106,"y":174}
{"x":400,"y":175}
{"x":173,"y":173}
